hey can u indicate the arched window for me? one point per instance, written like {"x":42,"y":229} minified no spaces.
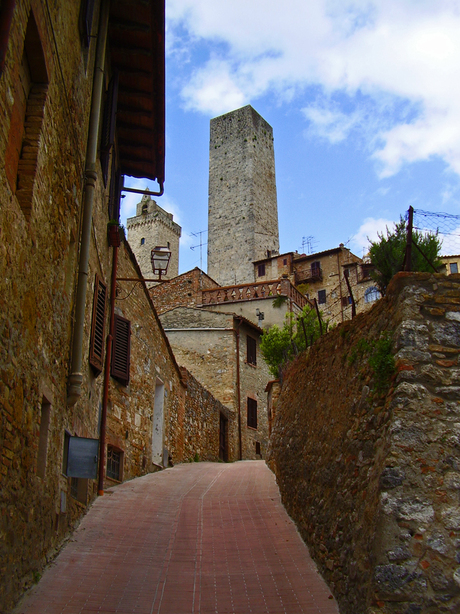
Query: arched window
{"x":371,"y":294}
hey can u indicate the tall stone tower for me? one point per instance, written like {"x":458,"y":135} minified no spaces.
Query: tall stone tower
{"x":153,"y":227}
{"x":243,"y":212}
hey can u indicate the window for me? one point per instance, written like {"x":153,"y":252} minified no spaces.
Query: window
{"x":121,"y":348}
{"x":142,"y":241}
{"x":321,"y":297}
{"x":252,"y":413}
{"x":145,"y":208}
{"x":284,"y":261}
{"x":258,"y":447}
{"x":114,"y":463}
{"x":96,"y":346}
{"x":346,"y":300}
{"x":21,"y":156}
{"x":371,"y":294}
{"x":315,"y":269}
{"x":251,"y":350}
{"x":43,"y":438}
{"x":261,"y":270}
{"x":108,"y":125}
{"x":453,"y":268}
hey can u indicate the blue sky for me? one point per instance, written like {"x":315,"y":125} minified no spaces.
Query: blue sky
{"x":364,"y":101}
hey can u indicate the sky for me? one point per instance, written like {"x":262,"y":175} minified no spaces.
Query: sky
{"x":363,"y":98}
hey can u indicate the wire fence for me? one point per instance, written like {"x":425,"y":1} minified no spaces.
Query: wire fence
{"x":445,"y":225}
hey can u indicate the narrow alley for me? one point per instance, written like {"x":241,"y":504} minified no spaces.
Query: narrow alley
{"x":197,"y":538}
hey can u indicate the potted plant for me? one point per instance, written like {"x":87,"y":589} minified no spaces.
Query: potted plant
{"x":113,"y":233}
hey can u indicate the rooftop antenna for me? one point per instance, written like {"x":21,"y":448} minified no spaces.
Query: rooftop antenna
{"x":200,"y":245}
{"x":310,"y":242}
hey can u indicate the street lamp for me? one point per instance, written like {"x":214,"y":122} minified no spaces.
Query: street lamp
{"x":160,"y":257}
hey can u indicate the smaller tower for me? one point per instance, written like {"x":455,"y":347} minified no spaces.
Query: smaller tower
{"x":151,"y":227}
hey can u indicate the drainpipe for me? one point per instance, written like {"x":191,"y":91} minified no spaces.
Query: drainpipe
{"x":238,"y":386}
{"x":76,"y":376}
{"x":108,"y":360}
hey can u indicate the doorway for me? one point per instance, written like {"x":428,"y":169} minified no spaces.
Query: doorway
{"x":158,"y":423}
{"x":223,"y":449}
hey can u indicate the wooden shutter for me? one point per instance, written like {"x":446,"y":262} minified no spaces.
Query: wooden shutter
{"x":121,"y":349}
{"x":252,"y":413}
{"x":251,"y":350}
{"x":96,"y":346}
{"x":108,"y":124}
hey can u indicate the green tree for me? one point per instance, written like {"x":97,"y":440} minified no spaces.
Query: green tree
{"x":387,"y":254}
{"x":279,"y":345}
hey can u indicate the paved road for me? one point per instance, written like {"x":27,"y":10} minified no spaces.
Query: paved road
{"x":201,"y":538}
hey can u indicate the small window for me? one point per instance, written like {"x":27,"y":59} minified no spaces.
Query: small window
{"x":251,"y":350}
{"x":261,"y":270}
{"x":142,"y":241}
{"x":145,"y":208}
{"x":453,"y":268}
{"x":43,"y":438}
{"x":258,"y":447}
{"x":114,"y":463}
{"x":371,"y":294}
{"x":121,"y":349}
{"x":96,"y":346}
{"x":321,"y":297}
{"x":346,"y":300}
{"x":252,"y":413}
{"x":284,"y":261}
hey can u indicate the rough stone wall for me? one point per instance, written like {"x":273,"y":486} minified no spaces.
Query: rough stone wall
{"x":205,"y":343}
{"x":130,"y":416}
{"x":372,"y":479}
{"x":152,"y":227}
{"x":242,"y":215}
{"x":201,"y":424}
{"x":38,"y":255}
{"x":182,"y":291}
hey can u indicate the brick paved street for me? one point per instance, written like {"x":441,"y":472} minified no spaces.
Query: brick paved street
{"x":202,"y":538}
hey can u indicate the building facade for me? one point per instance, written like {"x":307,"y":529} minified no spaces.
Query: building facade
{"x":222,"y":351}
{"x":243,"y":213}
{"x":152,"y":227}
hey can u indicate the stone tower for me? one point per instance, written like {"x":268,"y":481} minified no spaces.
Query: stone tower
{"x":243,"y":212}
{"x":153,"y":227}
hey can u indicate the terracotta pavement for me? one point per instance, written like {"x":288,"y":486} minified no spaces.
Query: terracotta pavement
{"x":201,"y":538}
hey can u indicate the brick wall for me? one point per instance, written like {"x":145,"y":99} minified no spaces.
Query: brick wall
{"x":182,"y":291}
{"x":372,"y":479}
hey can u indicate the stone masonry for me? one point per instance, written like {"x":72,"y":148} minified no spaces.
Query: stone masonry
{"x":152,"y":227}
{"x":372,"y":475}
{"x":243,"y":214}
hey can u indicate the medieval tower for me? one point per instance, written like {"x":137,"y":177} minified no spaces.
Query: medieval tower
{"x":243,"y":213}
{"x":153,"y":227}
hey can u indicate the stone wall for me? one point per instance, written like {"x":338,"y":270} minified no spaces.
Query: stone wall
{"x":372,"y":478}
{"x":201,"y":424}
{"x":206,"y":343}
{"x":182,"y":291}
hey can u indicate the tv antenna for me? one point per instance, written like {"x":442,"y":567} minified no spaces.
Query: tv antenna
{"x":200,"y":245}
{"x":311,"y":244}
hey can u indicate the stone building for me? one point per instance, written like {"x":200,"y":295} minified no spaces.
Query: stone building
{"x":222,"y":350}
{"x":451,"y":264}
{"x":90,"y":391}
{"x":321,"y":276}
{"x":151,"y":227}
{"x":243,"y":213}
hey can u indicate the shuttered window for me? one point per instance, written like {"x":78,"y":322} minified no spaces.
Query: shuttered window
{"x":121,"y":349}
{"x":96,"y":348}
{"x":251,"y":350}
{"x":108,"y":125}
{"x":252,"y":413}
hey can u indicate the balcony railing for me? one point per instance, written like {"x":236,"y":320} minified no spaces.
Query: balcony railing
{"x":254,"y":292}
{"x":310,"y":275}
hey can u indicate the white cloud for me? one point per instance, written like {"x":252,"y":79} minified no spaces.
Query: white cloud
{"x":369,"y":231}
{"x":403,"y":51}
